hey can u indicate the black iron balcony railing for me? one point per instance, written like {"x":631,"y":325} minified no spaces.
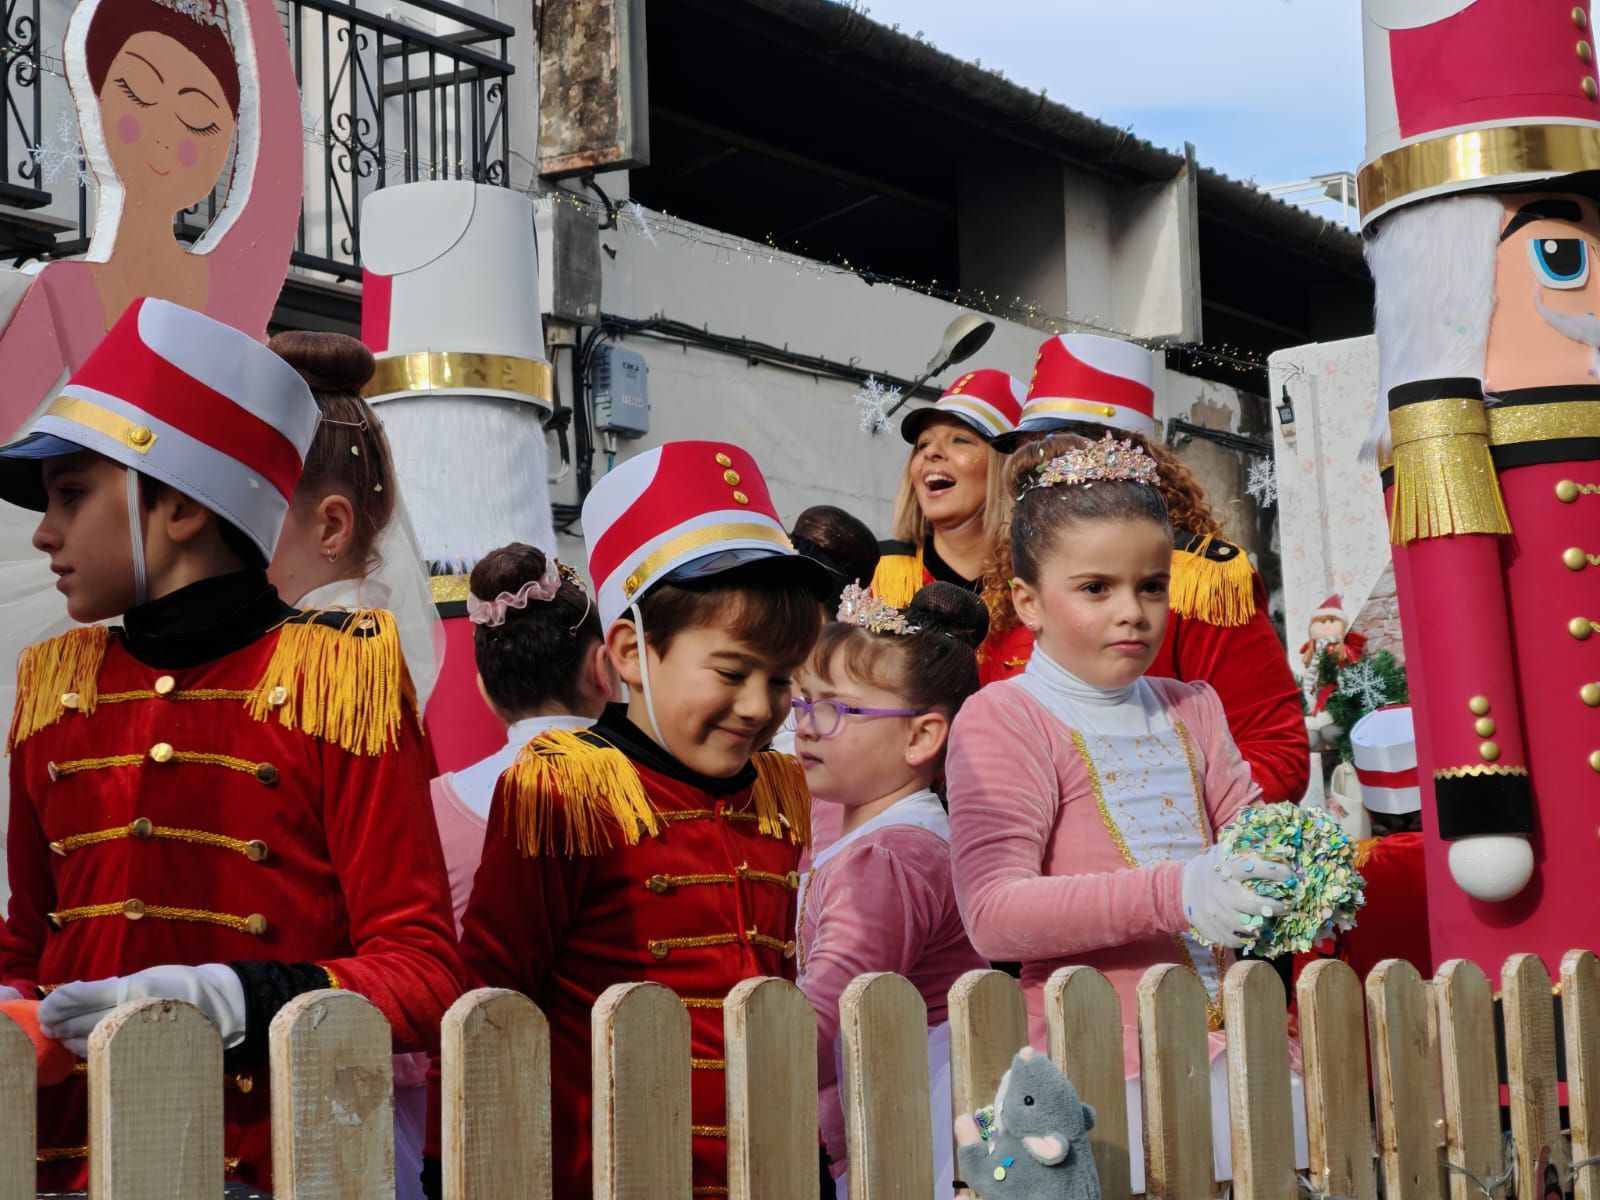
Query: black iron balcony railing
{"x":416,"y":92}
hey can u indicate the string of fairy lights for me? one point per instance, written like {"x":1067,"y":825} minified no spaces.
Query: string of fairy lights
{"x":631,"y":219}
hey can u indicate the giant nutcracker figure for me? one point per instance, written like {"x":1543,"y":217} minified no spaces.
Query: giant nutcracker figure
{"x":1482,"y":120}
{"x":450,"y":308}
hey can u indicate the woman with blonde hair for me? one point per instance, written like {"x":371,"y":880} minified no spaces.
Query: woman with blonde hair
{"x":951,"y":508}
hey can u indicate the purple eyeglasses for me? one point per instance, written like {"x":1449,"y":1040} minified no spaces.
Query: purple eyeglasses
{"x":828,"y":715}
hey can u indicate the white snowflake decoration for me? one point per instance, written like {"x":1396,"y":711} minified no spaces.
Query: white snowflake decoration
{"x":60,"y":156}
{"x":1361,"y":681}
{"x":1262,"y":482}
{"x":873,"y":401}
{"x":632,"y":216}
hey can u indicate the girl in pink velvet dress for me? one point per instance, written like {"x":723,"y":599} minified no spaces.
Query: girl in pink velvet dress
{"x":873,"y":713}
{"x":1085,"y":797}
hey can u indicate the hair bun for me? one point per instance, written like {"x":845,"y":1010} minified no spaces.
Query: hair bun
{"x":952,"y":611}
{"x":506,"y":569}
{"x":328,"y":362}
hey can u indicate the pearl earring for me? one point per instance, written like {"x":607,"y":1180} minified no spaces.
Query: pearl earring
{"x":331,"y":557}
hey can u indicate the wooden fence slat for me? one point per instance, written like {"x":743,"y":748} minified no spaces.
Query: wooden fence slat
{"x":17,"y":1128}
{"x":888,"y":1119}
{"x":1530,"y":1022}
{"x":1470,"y":1076}
{"x":1580,"y":996}
{"x":771,"y":1035}
{"x":1397,"y":1015}
{"x":1332,"y":1027}
{"x":1084,"y":1016}
{"x":155,"y":1103}
{"x":495,"y":1084}
{"x":641,"y":1094}
{"x":988,"y":1025}
{"x":1258,"y":1083}
{"x":1176,"y":1082}
{"x":332,"y":1099}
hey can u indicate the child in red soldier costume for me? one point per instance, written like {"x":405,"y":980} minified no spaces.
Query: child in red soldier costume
{"x":874,"y":714}
{"x":193,"y":793}
{"x":661,"y":843}
{"x":1219,"y":632}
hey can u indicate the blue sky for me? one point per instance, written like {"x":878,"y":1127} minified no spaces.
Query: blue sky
{"x":1268,"y":90}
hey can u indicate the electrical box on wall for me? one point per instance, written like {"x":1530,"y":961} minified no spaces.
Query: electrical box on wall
{"x":620,"y":381}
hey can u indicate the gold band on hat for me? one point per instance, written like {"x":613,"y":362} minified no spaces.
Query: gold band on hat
{"x":135,"y":436}
{"x":975,"y":409}
{"x":1476,"y":156}
{"x":451,"y":370}
{"x":686,"y":544}
{"x":1081,"y":408}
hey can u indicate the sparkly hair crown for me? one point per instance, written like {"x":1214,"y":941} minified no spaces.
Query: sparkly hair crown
{"x":1105,"y":461}
{"x":858,"y":606}
{"x":203,"y":12}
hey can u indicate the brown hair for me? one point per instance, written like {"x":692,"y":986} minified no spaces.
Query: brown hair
{"x":533,"y":659}
{"x":755,"y":603}
{"x":841,"y":543}
{"x":1187,"y":511}
{"x":911,"y":526}
{"x":115,"y":21}
{"x":350,"y":454}
{"x":935,"y":668}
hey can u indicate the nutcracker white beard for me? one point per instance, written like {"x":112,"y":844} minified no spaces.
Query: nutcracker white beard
{"x":1433,"y":266}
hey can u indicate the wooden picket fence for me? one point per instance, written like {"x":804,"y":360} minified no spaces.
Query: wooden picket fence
{"x":155,"y":1079}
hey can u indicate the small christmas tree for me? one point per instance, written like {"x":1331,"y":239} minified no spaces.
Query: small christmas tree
{"x":1363,"y":686}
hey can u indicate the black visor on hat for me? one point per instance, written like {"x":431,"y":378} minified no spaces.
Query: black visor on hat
{"x":22,"y":470}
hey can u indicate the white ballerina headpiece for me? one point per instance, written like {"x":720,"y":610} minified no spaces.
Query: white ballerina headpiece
{"x":1105,"y":461}
{"x":858,"y":606}
{"x":493,"y":612}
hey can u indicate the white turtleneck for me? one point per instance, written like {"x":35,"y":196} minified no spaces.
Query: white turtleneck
{"x":1131,"y":710}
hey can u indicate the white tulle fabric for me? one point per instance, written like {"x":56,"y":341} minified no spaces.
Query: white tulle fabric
{"x":493,"y":612}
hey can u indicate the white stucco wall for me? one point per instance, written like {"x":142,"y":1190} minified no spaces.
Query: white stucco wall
{"x":1330,"y":503}
{"x":803,"y":431}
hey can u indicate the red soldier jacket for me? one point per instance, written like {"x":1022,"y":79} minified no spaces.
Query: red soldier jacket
{"x":225,"y":780}
{"x":609,"y":862}
{"x":1219,"y":633}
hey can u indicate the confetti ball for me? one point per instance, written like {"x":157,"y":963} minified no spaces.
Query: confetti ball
{"x":1324,"y":893}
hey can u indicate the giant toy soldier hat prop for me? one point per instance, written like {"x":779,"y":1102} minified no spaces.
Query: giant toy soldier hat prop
{"x":1385,"y":750}
{"x":178,"y":397}
{"x":990,"y":401}
{"x":1465,"y":95}
{"x":1083,"y":377}
{"x":686,"y":510}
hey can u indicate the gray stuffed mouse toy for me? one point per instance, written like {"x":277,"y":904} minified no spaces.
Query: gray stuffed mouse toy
{"x":1036,"y":1144}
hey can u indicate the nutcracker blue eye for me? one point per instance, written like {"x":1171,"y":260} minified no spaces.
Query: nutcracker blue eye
{"x":1559,"y":262}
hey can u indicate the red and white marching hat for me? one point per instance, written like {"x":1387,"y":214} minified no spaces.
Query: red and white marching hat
{"x":990,"y":401}
{"x":685,"y":509}
{"x":179,"y":397}
{"x":1385,"y":751}
{"x":1464,"y":95}
{"x":1083,"y":377}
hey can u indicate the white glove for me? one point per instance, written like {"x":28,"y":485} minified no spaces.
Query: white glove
{"x":70,"y":1013}
{"x":1217,"y":901}
{"x":9,"y":993}
{"x":1491,"y":867}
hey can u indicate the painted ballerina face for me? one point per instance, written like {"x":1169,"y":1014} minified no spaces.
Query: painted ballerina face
{"x":166,"y":121}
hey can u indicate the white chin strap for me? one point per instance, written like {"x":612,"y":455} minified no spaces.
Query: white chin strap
{"x":644,"y":680}
{"x":136,"y":538}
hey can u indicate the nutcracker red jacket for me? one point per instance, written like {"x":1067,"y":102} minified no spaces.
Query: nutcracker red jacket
{"x":225,"y":780}
{"x":1219,"y":633}
{"x":607,"y":862}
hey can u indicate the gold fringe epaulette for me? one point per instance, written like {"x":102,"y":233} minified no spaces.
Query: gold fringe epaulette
{"x":782,"y":800}
{"x":340,"y":677}
{"x":1364,"y":849}
{"x":897,"y":579}
{"x":1212,"y":581}
{"x":1444,"y":477}
{"x":594,"y":786}
{"x":48,"y":671}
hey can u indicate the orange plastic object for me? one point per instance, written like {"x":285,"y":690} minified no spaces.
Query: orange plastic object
{"x":55,"y":1061}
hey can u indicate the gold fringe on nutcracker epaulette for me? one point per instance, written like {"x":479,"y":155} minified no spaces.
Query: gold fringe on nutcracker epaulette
{"x":1444,"y":478}
{"x":782,"y":800}
{"x":339,"y":676}
{"x":1212,"y":581}
{"x":574,"y":779}
{"x":48,"y":672}
{"x":899,"y":574}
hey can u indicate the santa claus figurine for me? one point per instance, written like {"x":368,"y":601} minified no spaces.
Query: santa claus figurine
{"x":1479,"y":210}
